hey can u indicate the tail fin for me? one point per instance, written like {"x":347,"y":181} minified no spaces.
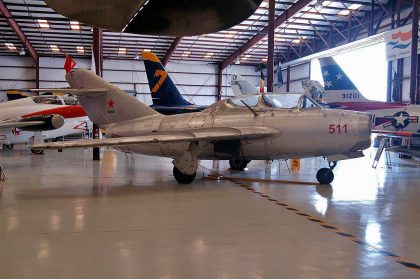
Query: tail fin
{"x":240,"y":86}
{"x":162,"y":88}
{"x":338,"y":86}
{"x":108,"y":105}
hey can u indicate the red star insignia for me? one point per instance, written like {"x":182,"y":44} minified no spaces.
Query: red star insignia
{"x":111,"y":103}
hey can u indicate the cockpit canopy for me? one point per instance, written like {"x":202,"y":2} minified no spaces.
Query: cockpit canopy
{"x":273,"y":100}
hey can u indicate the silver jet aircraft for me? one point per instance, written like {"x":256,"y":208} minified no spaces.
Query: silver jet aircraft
{"x":260,"y":127}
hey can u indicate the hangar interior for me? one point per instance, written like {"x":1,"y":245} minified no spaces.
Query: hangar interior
{"x":64,"y":215}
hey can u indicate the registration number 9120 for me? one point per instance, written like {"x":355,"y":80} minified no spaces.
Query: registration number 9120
{"x":350,"y":95}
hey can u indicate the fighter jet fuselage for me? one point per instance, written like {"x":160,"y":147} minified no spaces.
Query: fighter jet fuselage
{"x":299,"y":133}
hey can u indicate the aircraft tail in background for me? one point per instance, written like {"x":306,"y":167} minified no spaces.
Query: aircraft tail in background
{"x":241,"y":86}
{"x":162,"y":88}
{"x":338,"y":86}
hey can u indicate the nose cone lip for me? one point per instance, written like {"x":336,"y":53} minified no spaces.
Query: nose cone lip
{"x":365,"y":125}
{"x":57,"y":121}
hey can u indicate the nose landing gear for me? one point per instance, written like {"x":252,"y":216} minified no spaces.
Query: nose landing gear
{"x":238,"y":164}
{"x":326,"y":175}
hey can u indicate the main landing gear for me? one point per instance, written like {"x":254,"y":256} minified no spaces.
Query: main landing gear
{"x":238,"y":164}
{"x":183,"y":178}
{"x":37,"y":151}
{"x":326,"y":175}
{"x":185,"y":166}
{"x":8,"y":146}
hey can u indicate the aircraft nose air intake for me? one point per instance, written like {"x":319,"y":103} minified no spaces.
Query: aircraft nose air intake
{"x":364,"y":127}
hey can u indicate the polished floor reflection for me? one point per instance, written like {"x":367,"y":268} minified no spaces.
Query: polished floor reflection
{"x":63,"y":215}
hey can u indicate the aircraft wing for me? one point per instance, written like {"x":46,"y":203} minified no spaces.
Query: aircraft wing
{"x":401,"y":134}
{"x":205,"y":134}
{"x":15,"y":124}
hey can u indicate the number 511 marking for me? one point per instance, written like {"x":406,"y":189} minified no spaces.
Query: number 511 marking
{"x":333,"y":129}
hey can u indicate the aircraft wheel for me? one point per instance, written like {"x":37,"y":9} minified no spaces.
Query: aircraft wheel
{"x":37,"y":151}
{"x":238,"y":164}
{"x":5,"y":146}
{"x":182,"y":177}
{"x":325,"y":176}
{"x":11,"y":146}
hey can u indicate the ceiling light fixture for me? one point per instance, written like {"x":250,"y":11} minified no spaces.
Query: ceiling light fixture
{"x":10,"y":46}
{"x":43,"y":23}
{"x":54,"y":48}
{"x":318,"y":5}
{"x":186,"y":53}
{"x":208,"y":55}
{"x":74,"y":25}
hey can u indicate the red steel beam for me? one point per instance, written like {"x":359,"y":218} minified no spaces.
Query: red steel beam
{"x":171,"y":50}
{"x":290,"y":12}
{"x":13,"y":24}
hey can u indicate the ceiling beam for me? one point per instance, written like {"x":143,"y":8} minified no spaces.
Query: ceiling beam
{"x":171,"y":50}
{"x":291,"y":11}
{"x":13,"y":24}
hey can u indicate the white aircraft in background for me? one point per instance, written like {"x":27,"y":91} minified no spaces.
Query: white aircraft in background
{"x":233,"y":129}
{"x":36,"y":118}
{"x":241,"y":86}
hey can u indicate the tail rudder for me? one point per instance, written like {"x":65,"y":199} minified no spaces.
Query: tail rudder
{"x":240,"y":86}
{"x":338,"y":86}
{"x":163,"y":90}
{"x":110,"y":104}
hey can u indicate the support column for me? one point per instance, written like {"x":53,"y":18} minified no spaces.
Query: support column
{"x":414,"y":44}
{"x":98,"y":58}
{"x":219,"y":82}
{"x":371,"y":17}
{"x":288,"y":79}
{"x":390,"y":75}
{"x":37,"y":72}
{"x":270,"y":42}
{"x":400,"y":62}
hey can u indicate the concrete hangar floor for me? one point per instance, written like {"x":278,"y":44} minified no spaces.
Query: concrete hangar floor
{"x":64,"y":216}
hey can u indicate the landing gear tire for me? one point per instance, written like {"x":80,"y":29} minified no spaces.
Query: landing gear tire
{"x":37,"y":151}
{"x":5,"y":146}
{"x":325,"y":176}
{"x":11,"y":146}
{"x":238,"y":164}
{"x":182,"y":177}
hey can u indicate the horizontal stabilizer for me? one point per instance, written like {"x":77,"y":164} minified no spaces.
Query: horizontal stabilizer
{"x":206,"y":134}
{"x":80,"y":92}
